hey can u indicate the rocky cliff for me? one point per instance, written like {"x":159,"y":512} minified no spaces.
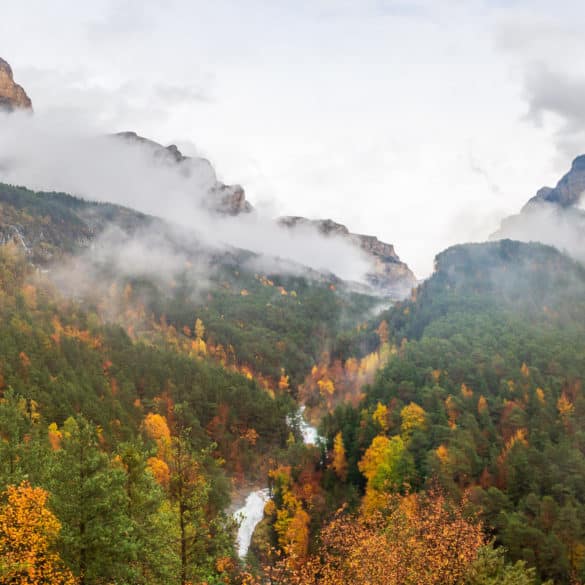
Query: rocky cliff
{"x":12,"y":95}
{"x":388,"y":273}
{"x":569,"y":190}
{"x":554,"y":216}
{"x":221,"y":198}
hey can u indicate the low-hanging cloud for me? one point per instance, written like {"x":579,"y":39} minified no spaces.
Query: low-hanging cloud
{"x":70,"y":156}
{"x":115,"y":256}
{"x":563,"y":228}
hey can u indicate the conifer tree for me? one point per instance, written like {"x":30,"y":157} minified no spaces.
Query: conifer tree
{"x":91,"y":501}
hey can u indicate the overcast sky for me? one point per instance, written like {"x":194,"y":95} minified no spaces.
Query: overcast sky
{"x":420,"y":121}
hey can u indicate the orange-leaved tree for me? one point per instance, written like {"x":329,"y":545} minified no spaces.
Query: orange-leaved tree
{"x":417,"y":540}
{"x":28,"y":532}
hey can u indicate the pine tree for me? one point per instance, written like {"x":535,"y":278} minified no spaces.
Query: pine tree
{"x":90,"y":499}
{"x":14,"y":425}
{"x":152,"y":518}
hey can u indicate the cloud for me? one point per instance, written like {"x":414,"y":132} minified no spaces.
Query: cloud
{"x":45,"y":153}
{"x":114,"y":104}
{"x":476,"y":166}
{"x":124,"y":18}
{"x":151,"y":253}
{"x":563,"y":228}
{"x":557,"y":94}
{"x":305,"y":113}
{"x":179,"y":94}
{"x":550,"y":91}
{"x":544,"y":51}
{"x":534,"y":33}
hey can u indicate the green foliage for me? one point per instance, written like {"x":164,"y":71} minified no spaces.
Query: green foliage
{"x":118,"y":524}
{"x":89,"y":498}
{"x":270,"y":321}
{"x":490,"y":568}
{"x":492,"y":349}
{"x":153,"y":520}
{"x":268,"y":330}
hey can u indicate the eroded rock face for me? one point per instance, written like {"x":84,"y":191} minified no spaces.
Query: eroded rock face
{"x":554,"y":216}
{"x":221,"y":198}
{"x":12,"y":96}
{"x":388,"y":274}
{"x":569,"y":190}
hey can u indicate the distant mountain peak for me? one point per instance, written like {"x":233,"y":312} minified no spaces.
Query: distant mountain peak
{"x":554,"y":216}
{"x":12,"y":95}
{"x":569,"y":189}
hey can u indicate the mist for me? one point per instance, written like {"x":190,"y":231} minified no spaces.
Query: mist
{"x":75,"y":157}
{"x":145,"y":254}
{"x":563,"y":228}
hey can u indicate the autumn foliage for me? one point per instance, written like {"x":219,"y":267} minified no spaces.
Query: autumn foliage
{"x":417,"y":540}
{"x":28,"y":531}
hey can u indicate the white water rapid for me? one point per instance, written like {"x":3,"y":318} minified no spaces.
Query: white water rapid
{"x":310,"y":434}
{"x":250,"y":515}
{"x":252,"y":512}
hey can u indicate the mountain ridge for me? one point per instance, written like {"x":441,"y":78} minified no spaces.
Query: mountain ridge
{"x":568,"y":191}
{"x":388,"y":271}
{"x":553,"y":216}
{"x":387,"y":274}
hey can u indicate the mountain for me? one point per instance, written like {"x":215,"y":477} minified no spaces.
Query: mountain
{"x":388,"y":272}
{"x":221,"y":198}
{"x":482,"y":395}
{"x":568,"y":191}
{"x":553,"y":216}
{"x":12,"y":95}
{"x":89,"y":246}
{"x":388,"y":275}
{"x":143,"y":374}
{"x":47,"y":226}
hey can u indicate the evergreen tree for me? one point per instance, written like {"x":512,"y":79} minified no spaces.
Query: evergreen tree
{"x":90,"y":498}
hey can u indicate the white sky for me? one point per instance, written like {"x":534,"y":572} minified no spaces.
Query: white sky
{"x":420,"y":121}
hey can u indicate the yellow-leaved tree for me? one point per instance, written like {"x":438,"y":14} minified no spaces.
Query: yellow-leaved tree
{"x":388,"y":468}
{"x":28,"y":532}
{"x":413,"y":417}
{"x":339,"y":462}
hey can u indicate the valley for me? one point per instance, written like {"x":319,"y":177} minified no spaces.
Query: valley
{"x":208,"y":396}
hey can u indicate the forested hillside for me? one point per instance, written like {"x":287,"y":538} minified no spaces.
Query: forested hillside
{"x":482,"y":399}
{"x":264,"y":323}
{"x":133,"y":404}
{"x":114,"y":435}
{"x":135,"y":401}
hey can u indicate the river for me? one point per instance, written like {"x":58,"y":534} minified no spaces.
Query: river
{"x":252,"y":512}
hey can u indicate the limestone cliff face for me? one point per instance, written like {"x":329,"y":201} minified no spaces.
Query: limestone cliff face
{"x":12,"y":95}
{"x":388,"y":273}
{"x":221,"y":198}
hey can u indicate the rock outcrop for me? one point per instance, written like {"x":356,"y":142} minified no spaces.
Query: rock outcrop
{"x":12,"y":96}
{"x":569,"y":190}
{"x":221,"y":198}
{"x":554,"y":216}
{"x":388,"y":274}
